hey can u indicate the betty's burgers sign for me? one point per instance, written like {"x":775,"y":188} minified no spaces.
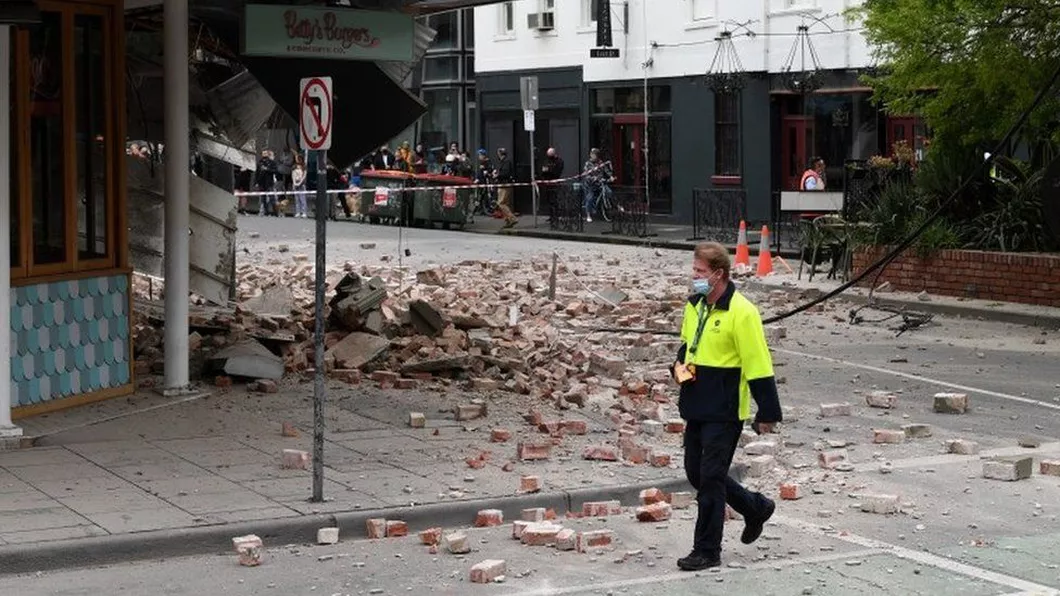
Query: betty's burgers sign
{"x":326,"y":32}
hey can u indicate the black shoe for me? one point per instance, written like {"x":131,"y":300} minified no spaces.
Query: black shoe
{"x":753,"y":527}
{"x":697,"y":562}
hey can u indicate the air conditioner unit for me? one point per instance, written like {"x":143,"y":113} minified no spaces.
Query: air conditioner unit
{"x":542,"y":21}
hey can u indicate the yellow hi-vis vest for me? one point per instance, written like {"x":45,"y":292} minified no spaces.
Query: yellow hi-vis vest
{"x":725,"y":344}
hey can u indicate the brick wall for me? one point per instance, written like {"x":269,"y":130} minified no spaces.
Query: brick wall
{"x":1008,"y":277}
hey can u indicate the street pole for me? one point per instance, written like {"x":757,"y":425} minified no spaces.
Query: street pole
{"x":646,"y":142}
{"x":318,"y":337}
{"x":533,"y":174}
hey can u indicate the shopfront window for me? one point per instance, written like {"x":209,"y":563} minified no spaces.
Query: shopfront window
{"x":441,"y":124}
{"x":65,"y":143}
{"x":47,"y":147}
{"x":660,"y":147}
{"x":447,"y":35}
{"x":441,"y":69}
{"x":727,"y":134}
{"x":13,"y":161}
{"x":630,"y":100}
{"x":91,"y":139}
{"x":468,"y":15}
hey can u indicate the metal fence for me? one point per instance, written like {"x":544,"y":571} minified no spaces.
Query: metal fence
{"x":859,"y":188}
{"x":717,"y":212}
{"x":630,"y":214}
{"x":565,"y":209}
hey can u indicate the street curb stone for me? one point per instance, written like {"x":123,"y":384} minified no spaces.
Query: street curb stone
{"x":217,"y":539}
{"x":969,"y":311}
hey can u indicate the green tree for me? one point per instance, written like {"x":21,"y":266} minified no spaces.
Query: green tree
{"x":969,"y":67}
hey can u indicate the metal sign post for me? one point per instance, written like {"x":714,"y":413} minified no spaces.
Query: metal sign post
{"x":315,"y":118}
{"x":528,"y":95}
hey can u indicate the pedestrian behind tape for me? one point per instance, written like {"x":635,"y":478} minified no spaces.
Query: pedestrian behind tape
{"x":722,"y":363}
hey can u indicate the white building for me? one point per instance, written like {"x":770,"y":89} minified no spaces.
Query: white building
{"x":758,"y":138}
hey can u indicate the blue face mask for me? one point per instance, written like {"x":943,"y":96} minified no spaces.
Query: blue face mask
{"x":702,"y":286}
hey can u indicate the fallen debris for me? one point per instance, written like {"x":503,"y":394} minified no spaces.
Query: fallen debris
{"x":249,"y":548}
{"x":328,"y":536}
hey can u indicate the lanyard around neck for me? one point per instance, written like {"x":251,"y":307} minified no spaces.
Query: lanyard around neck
{"x":704,"y":314}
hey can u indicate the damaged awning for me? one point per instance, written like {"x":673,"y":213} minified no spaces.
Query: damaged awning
{"x":234,"y":96}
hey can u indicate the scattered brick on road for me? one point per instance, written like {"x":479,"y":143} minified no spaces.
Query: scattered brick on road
{"x":500,"y":435}
{"x":636,"y":454}
{"x":654,"y":513}
{"x":650,"y":496}
{"x":835,"y":410}
{"x":396,"y":529}
{"x":760,"y":448}
{"x":747,"y":437}
{"x":682,"y":500}
{"x":376,"y":528}
{"x":1008,"y":470}
{"x":651,"y":428}
{"x":249,"y":549}
{"x":518,"y":527}
{"x":594,"y":539}
{"x":917,"y":431}
{"x":540,"y":534}
{"x":1049,"y":467}
{"x":760,"y":465}
{"x":488,"y":518}
{"x":566,"y":539}
{"x":263,"y":386}
{"x":534,"y":514}
{"x":887,"y":436}
{"x":431,"y":536}
{"x":831,"y":459}
{"x":951,"y":403}
{"x":534,"y":451}
{"x":529,"y":484}
{"x":882,"y":399}
{"x":962,"y":447}
{"x":469,"y":412}
{"x":883,"y":504}
{"x":575,"y":427}
{"x":328,"y":536}
{"x":600,"y":453}
{"x":289,"y":431}
{"x":417,"y":420}
{"x":675,"y":425}
{"x":660,"y":460}
{"x":790,"y":491}
{"x":294,"y":459}
{"x":488,"y":571}
{"x":601,"y":508}
{"x":456,"y":543}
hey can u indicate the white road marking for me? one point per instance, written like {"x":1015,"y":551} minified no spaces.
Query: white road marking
{"x":911,"y":376}
{"x":925,"y":558}
{"x":939,"y":460}
{"x":685,"y":575}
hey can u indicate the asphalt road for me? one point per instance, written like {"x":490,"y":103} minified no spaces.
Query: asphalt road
{"x":957,"y":533}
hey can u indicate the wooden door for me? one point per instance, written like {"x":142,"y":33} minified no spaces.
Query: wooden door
{"x":796,"y":147}
{"x":628,"y":159}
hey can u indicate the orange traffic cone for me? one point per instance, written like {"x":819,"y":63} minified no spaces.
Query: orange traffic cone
{"x":765,"y":259}
{"x":743,"y":252}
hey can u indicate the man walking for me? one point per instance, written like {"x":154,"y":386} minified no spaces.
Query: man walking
{"x":813,"y":177}
{"x":505,"y":176}
{"x":723,"y":361}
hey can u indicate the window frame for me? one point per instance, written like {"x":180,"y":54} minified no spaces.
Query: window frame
{"x":694,"y":5}
{"x":506,"y":12}
{"x":726,"y":175}
{"x":116,"y":257}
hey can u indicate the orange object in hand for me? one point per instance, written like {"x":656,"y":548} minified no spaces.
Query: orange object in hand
{"x":684,"y":373}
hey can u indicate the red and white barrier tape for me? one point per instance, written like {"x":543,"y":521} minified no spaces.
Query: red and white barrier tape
{"x":358,"y":190}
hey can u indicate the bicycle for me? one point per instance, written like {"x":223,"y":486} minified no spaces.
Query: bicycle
{"x":603,"y":203}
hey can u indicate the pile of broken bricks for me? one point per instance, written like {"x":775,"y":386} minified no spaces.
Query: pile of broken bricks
{"x":478,"y":325}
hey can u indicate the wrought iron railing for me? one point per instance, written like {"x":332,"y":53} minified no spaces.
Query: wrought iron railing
{"x":564,"y":206}
{"x":629,"y":217}
{"x":717,"y":212}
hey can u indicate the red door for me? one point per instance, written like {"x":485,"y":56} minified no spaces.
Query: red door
{"x":628,"y":149}
{"x":900,"y":129}
{"x":796,"y":145}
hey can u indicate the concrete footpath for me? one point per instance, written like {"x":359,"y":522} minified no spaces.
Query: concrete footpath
{"x":158,"y":479}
